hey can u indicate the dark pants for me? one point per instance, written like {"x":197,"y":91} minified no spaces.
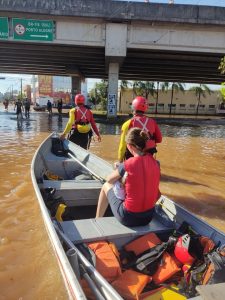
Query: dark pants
{"x":27,"y":112}
{"x":125,"y":217}
{"x":81,"y":139}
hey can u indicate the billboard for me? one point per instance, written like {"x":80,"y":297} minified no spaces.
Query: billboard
{"x":45,"y":85}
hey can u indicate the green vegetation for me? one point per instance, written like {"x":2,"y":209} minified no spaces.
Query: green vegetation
{"x":200,"y":91}
{"x":98,"y":95}
{"x":174,"y":87}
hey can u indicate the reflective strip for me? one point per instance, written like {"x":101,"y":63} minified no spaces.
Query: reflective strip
{"x":83,"y":114}
{"x":142,"y":124}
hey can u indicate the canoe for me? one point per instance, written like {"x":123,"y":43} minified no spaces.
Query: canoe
{"x":75,"y":179}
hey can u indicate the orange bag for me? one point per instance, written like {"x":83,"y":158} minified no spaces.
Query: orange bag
{"x":167,"y":268}
{"x":106,"y":262}
{"x":143,"y":243}
{"x":130,"y":284}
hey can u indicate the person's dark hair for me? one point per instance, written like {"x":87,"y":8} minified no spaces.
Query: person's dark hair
{"x":137,"y":138}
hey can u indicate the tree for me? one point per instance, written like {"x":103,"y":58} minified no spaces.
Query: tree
{"x":222,"y":66}
{"x":98,"y":95}
{"x":175,"y":87}
{"x":144,"y":88}
{"x":157,"y":98}
{"x":200,"y":91}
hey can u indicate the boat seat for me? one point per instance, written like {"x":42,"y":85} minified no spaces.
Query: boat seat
{"x":76,"y":192}
{"x":108,"y":228}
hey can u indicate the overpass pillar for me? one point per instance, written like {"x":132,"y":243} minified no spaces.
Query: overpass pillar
{"x":112,"y":89}
{"x":115,"y":52}
{"x":76,"y":86}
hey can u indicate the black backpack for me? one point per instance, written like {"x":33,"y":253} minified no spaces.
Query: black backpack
{"x":58,"y":147}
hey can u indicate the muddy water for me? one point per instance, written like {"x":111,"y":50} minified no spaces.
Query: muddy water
{"x":193,"y":174}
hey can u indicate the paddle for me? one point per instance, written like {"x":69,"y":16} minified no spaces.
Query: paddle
{"x":105,"y":287}
{"x":72,"y":155}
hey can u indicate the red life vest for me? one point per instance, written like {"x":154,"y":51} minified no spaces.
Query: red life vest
{"x":148,"y":125}
{"x":82,"y":117}
{"x":142,"y":183}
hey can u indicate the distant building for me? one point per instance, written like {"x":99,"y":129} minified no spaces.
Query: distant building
{"x":183,"y":103}
{"x":27,"y":91}
{"x":55,"y":87}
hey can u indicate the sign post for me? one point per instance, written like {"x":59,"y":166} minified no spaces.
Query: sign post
{"x":32,"y":30}
{"x":111,"y":105}
{"x":4,"y":28}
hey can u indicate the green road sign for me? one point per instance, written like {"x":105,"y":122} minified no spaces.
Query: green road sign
{"x":4,"y":28}
{"x":32,"y":30}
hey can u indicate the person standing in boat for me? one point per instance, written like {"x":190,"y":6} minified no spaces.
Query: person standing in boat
{"x":140,"y":106}
{"x":80,"y":124}
{"x":141,"y":187}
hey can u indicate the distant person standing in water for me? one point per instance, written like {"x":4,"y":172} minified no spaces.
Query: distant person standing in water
{"x":59,"y":106}
{"x":27,"y":108}
{"x":6,"y":104}
{"x":80,"y":124}
{"x":49,"y":107}
{"x":19,"y":108}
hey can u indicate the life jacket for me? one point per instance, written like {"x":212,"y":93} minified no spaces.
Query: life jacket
{"x":147,"y":125}
{"x":82,"y":123}
{"x":130,"y":284}
{"x":148,"y":255}
{"x":107,"y":263}
{"x":146,"y":169}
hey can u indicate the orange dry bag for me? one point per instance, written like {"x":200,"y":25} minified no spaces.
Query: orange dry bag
{"x":107,"y":263}
{"x":130,"y":284}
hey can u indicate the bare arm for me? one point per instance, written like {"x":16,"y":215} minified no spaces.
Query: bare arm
{"x":113,"y":177}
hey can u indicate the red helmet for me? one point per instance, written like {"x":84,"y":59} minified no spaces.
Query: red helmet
{"x":181,"y":250}
{"x":79,"y":99}
{"x":140,"y":103}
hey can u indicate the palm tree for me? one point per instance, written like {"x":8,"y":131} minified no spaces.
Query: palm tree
{"x":144,"y":88}
{"x":200,"y":91}
{"x":175,"y":87}
{"x":157,"y":98}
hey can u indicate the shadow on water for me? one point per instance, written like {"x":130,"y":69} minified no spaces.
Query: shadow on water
{"x":168,"y":178}
{"x":205,"y":205}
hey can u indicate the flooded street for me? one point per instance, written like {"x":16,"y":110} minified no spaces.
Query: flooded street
{"x":193,"y":174}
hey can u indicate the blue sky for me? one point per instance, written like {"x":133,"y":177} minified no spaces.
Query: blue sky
{"x":13,"y":81}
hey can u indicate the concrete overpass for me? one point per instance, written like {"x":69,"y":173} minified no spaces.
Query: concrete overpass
{"x":116,"y":40}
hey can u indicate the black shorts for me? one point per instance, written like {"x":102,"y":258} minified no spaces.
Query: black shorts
{"x":125,"y":217}
{"x":81,"y":139}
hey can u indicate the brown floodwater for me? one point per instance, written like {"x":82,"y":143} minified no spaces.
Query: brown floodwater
{"x":193,"y":174}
